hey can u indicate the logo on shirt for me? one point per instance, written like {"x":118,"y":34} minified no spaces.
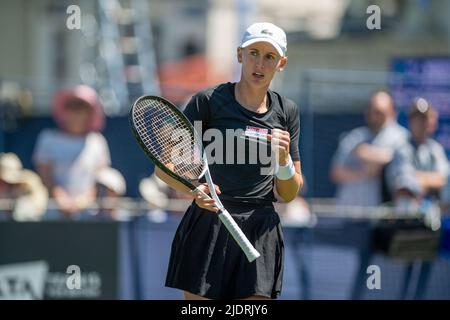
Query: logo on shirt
{"x":255,"y":132}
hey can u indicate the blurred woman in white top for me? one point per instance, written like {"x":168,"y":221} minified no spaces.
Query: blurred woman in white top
{"x":69,"y":157}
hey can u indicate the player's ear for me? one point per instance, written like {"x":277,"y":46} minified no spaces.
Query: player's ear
{"x":239,"y":54}
{"x":282,"y":63}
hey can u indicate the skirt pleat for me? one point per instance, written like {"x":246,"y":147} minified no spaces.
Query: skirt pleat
{"x":205,"y":260}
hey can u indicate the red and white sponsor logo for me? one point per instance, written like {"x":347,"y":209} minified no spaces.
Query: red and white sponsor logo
{"x":255,"y":132}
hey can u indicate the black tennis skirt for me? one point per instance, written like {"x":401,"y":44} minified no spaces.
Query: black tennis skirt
{"x":205,"y":260}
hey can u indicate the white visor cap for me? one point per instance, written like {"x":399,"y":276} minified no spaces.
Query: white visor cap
{"x":267,"y":32}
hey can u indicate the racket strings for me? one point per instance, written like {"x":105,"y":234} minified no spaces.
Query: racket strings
{"x":168,"y":138}
{"x":165,"y":131}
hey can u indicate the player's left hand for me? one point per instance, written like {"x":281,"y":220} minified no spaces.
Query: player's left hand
{"x":280,"y":145}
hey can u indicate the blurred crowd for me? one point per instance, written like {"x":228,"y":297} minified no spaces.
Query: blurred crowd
{"x":385,"y":163}
{"x":74,"y":179}
{"x":379,"y":163}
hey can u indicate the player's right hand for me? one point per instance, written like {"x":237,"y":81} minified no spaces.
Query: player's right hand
{"x":208,"y":204}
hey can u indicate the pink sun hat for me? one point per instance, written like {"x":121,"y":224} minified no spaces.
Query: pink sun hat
{"x":84,"y":93}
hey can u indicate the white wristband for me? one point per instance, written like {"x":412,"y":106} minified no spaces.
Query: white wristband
{"x":286,"y":172}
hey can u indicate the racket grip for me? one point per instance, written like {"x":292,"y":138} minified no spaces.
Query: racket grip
{"x":238,"y":235}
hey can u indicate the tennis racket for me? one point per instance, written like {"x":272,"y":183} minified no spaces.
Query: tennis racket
{"x":171,"y":142}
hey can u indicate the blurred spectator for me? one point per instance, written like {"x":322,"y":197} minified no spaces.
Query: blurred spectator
{"x":156,"y":193}
{"x":358,"y":164}
{"x":110,"y":188}
{"x":22,"y":193}
{"x":420,"y":168}
{"x":69,"y":158}
{"x":418,"y":174}
{"x":297,"y":212}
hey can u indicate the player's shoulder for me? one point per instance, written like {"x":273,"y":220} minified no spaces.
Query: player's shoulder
{"x":222,"y":90}
{"x":214,"y":97}
{"x":211,"y":98}
{"x":284,"y":103}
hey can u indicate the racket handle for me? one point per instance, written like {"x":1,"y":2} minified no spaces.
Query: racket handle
{"x":238,"y":235}
{"x":234,"y":230}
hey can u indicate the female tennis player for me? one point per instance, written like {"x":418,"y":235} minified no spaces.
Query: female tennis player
{"x":205,"y":261}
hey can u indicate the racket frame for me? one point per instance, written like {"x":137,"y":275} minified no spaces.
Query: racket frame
{"x":158,"y":163}
{"x":223,"y":214}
